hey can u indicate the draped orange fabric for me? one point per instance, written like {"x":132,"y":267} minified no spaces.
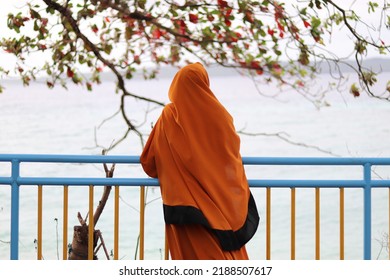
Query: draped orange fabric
{"x":194,"y":151}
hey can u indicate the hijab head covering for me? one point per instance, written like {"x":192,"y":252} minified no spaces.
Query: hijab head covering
{"x":194,"y":151}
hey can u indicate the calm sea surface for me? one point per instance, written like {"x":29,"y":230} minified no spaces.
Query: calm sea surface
{"x":38,"y":120}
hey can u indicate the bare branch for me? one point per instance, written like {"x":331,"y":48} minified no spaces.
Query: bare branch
{"x":284,"y":136}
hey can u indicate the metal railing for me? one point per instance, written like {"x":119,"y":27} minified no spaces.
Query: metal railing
{"x":16,"y":181}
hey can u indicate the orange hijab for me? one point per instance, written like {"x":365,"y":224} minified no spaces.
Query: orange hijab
{"x":194,"y":151}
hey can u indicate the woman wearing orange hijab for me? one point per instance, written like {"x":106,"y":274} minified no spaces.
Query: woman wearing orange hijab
{"x":194,"y":152}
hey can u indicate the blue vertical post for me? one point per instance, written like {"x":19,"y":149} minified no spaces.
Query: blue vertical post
{"x":367,"y":211}
{"x":15,"y":172}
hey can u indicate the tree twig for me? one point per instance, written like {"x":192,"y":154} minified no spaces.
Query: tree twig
{"x":106,"y":193}
{"x":282,"y":136}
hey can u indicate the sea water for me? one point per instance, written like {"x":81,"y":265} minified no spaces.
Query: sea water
{"x":39,"y":120}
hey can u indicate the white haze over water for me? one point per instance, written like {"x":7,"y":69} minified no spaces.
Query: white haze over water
{"x":38,"y":120}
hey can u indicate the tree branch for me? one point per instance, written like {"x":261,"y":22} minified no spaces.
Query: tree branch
{"x":283,"y":136}
{"x":66,"y":15}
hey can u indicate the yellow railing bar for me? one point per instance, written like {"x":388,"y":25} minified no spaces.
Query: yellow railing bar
{"x":317,"y":223}
{"x":65,"y":225}
{"x":91,"y":224}
{"x":39,"y":239}
{"x":268,"y":224}
{"x":341,"y":223}
{"x":142,"y":223}
{"x":116,"y":223}
{"x":293,"y":223}
{"x":166,"y":253}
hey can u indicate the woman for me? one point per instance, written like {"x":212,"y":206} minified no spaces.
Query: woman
{"x":194,"y":152}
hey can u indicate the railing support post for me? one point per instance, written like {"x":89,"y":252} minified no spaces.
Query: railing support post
{"x":142,"y":223}
{"x":367,"y":211}
{"x":65,"y":223}
{"x":293,"y":219}
{"x":116,"y":223}
{"x":15,"y":173}
{"x":91,"y":226}
{"x":342,"y":224}
{"x":268,"y":224}
{"x":39,"y":224}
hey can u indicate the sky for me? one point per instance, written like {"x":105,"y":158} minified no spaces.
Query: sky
{"x":339,"y":38}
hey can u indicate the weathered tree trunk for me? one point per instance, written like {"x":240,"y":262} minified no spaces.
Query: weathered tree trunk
{"x":79,"y":246}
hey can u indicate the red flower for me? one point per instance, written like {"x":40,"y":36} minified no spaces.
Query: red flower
{"x":228,"y":22}
{"x":95,"y":29}
{"x":182,"y":26}
{"x":41,"y":47}
{"x":270,"y":31}
{"x":256,"y":66}
{"x":276,"y":69}
{"x":69,"y":73}
{"x":260,"y":71}
{"x":249,"y":16}
{"x":228,"y":12}
{"x":307,"y":24}
{"x":279,"y":10}
{"x":222,"y":3}
{"x":193,"y":18}
{"x":44,"y":21}
{"x":156,"y":33}
{"x":137,"y":59}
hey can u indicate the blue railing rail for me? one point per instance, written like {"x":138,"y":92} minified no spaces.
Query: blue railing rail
{"x":15,"y":180}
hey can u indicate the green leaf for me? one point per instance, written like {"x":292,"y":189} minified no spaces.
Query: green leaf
{"x":372,"y":6}
{"x":370,"y":78}
{"x":262,"y":32}
{"x":50,"y":10}
{"x":382,"y":50}
{"x":129,"y":73}
{"x":315,"y":22}
{"x":277,"y":52}
{"x":36,"y":27}
{"x":128,"y":32}
{"x":35,"y":14}
{"x":302,"y":72}
{"x":108,"y":49}
{"x":354,"y":90}
{"x":81,"y":59}
{"x":360,"y":47}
